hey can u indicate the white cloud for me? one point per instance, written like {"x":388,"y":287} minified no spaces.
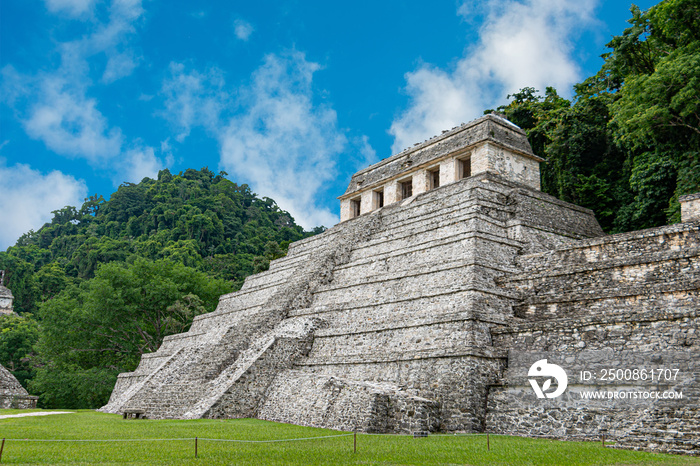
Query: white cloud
{"x":69,"y":123}
{"x":193,"y":98}
{"x":165,"y":146}
{"x":118,"y":66}
{"x":281,"y":142}
{"x":72,"y":8}
{"x":56,"y":106}
{"x":29,"y":196}
{"x":242,"y":29}
{"x":522,"y":43}
{"x":438,"y":101}
{"x":368,"y":155}
{"x":137,"y":164}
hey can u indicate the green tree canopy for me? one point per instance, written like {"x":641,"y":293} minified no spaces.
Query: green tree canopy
{"x":17,"y":338}
{"x":103,"y":326}
{"x":195,"y":218}
{"x":629,"y":144}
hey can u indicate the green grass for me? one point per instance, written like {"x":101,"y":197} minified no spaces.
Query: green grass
{"x":371,"y":449}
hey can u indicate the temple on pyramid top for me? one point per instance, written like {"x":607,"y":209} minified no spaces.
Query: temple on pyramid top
{"x":6,"y":297}
{"x":489,"y":144}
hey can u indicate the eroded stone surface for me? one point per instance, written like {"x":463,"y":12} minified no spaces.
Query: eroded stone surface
{"x":12,"y":393}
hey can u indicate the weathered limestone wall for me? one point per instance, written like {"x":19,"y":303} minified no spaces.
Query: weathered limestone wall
{"x":638,"y":423}
{"x":495,"y":159}
{"x":650,"y":268}
{"x":623,"y":301}
{"x":12,"y":393}
{"x":321,"y":401}
{"x":690,"y":208}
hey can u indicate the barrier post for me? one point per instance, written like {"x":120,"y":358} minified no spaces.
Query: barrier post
{"x":354,"y":441}
{"x":195,"y":447}
{"x":488,"y":442}
{"x":2,"y":447}
{"x":603,"y":440}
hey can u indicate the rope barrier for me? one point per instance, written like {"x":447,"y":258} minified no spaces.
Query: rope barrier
{"x":100,"y":440}
{"x":272,"y":441}
{"x":240,"y":441}
{"x":176,"y":439}
{"x":197,"y":439}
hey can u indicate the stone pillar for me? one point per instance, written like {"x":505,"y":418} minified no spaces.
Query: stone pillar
{"x":482,"y":157}
{"x":344,"y":210}
{"x":448,"y":171}
{"x":375,"y":198}
{"x":391,"y":193}
{"x":690,"y":208}
{"x":366,"y":202}
{"x":420,"y":182}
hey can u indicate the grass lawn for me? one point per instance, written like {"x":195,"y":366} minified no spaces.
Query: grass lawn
{"x":371,"y":449}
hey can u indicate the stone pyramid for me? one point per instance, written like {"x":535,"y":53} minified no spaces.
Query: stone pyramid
{"x":410,"y":314}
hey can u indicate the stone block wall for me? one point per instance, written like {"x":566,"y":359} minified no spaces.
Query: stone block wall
{"x":12,"y":394}
{"x":597,"y":345}
{"x":690,"y":207}
{"x":492,"y":158}
{"x":299,"y":397}
{"x":653,"y":268}
{"x":623,"y":301}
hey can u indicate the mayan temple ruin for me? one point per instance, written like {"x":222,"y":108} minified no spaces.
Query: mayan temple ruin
{"x":12,"y":393}
{"x":448,"y":276}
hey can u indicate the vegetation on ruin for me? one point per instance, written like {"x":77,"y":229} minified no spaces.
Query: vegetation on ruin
{"x":628,"y":144}
{"x":371,"y":449}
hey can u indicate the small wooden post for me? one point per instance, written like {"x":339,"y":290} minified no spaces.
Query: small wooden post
{"x":354,"y":442}
{"x":603,"y":440}
{"x":2,"y":447}
{"x":195,"y":447}
{"x":488,"y":442}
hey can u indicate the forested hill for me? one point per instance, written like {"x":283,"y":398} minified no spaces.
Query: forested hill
{"x":195,"y":218}
{"x":628,"y":145}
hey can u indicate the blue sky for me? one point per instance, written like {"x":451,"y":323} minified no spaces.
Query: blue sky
{"x":289,"y":96}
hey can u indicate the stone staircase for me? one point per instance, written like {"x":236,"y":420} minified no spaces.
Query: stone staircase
{"x":248,"y":333}
{"x":418,"y":297}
